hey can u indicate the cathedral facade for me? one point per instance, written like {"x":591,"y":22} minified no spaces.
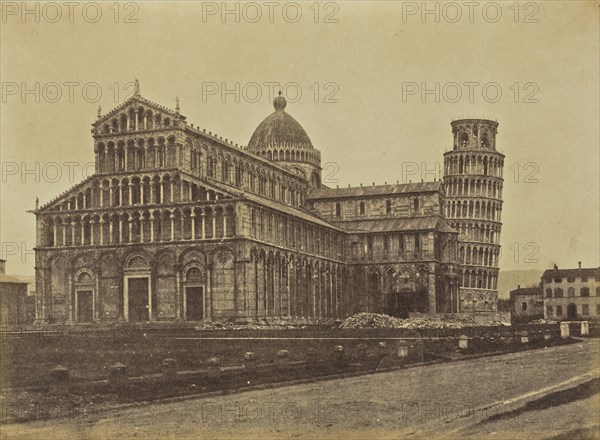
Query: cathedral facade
{"x":178,"y":223}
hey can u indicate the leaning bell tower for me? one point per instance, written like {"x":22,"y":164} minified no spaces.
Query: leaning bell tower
{"x":473,"y":184}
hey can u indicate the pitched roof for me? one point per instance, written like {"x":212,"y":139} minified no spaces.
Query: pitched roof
{"x":67,"y":192}
{"x":10,"y":279}
{"x":527,"y":291}
{"x":290,"y":210}
{"x":564,"y":273}
{"x":362,"y":191}
{"x":397,"y":225}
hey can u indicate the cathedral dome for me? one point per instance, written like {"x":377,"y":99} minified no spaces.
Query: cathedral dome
{"x":279,"y":130}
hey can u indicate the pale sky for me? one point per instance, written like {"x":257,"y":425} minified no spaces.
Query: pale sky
{"x":361,"y":55}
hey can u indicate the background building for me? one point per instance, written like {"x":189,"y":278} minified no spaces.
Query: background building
{"x":13,"y":298}
{"x":527,"y":304}
{"x":473,"y":185}
{"x":178,"y":223}
{"x":571,"y":293}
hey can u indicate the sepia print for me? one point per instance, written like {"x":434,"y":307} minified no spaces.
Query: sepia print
{"x":300,"y":219}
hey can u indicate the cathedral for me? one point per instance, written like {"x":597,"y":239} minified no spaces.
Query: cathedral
{"x":179,"y":224}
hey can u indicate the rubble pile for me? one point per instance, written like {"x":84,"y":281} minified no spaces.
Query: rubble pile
{"x":268,"y":323}
{"x":371,"y":320}
{"x":544,"y":321}
{"x":376,"y":320}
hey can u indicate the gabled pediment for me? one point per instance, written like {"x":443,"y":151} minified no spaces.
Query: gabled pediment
{"x":136,"y":110}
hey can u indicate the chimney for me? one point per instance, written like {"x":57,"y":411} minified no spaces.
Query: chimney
{"x":2,"y":267}
{"x":555,"y":267}
{"x":518,"y":286}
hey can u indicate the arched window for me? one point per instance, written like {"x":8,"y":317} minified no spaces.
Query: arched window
{"x":571,"y":291}
{"x":417,"y":244}
{"x":225,"y":172}
{"x":485,"y":143}
{"x":464,"y":138}
{"x":361,"y":208}
{"x":388,"y":207}
{"x":386,"y":246}
{"x":338,"y":210}
{"x":558,"y":292}
{"x":211,"y":167}
{"x":84,"y":278}
{"x":548,"y":293}
{"x":374,"y":282}
{"x":193,"y":274}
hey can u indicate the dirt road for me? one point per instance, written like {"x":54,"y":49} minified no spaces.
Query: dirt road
{"x":529,"y":395}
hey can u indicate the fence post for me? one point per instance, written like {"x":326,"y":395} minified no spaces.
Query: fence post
{"x":402,"y":350}
{"x":250,"y":359}
{"x":311,"y":358}
{"x":564,"y":330}
{"x":118,"y":374}
{"x":339,"y":359}
{"x":283,"y":360}
{"x":169,"y":368}
{"x":59,"y":376}
{"x":585,"y":328}
{"x":214,"y":367}
{"x":463,"y":342}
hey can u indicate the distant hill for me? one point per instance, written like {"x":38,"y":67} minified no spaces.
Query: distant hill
{"x":510,"y":279}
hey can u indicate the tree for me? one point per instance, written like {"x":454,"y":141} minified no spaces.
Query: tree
{"x":504,"y":305}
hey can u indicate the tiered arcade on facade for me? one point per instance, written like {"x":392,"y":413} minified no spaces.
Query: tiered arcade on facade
{"x":473,"y":182}
{"x":180,"y":224}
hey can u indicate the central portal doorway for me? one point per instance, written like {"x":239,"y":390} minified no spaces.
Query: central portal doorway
{"x":137,"y":292}
{"x":194,"y":303}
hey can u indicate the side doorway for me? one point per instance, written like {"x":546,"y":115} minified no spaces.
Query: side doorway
{"x":194,"y":303}
{"x":138,"y":299}
{"x":85,"y":306}
{"x":194,"y":292}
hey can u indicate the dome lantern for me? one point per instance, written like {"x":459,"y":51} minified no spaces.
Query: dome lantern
{"x":279,"y":103}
